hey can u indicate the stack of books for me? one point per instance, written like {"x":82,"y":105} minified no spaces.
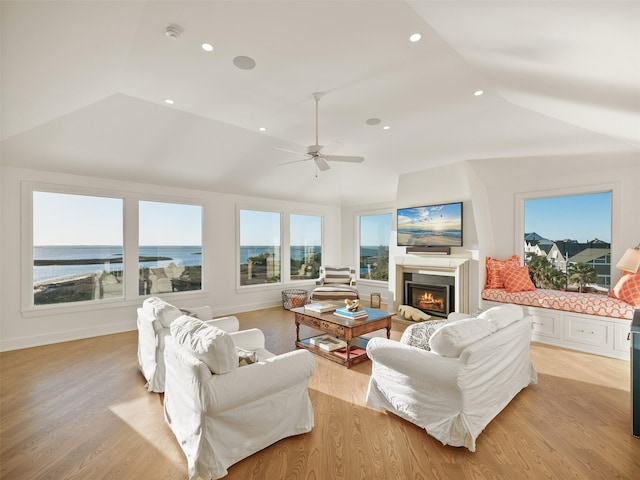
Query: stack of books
{"x":353,"y":352}
{"x":320,"y":307}
{"x":328,"y":343}
{"x":356,"y":315}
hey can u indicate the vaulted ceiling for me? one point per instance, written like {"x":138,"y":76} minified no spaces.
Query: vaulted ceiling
{"x":84,"y":85}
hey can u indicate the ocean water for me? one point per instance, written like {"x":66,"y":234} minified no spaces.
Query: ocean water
{"x":179,"y":255}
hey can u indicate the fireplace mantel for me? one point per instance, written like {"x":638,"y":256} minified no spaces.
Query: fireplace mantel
{"x":445,"y":265}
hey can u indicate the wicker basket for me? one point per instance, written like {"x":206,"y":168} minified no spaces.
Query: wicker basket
{"x":296,"y":297}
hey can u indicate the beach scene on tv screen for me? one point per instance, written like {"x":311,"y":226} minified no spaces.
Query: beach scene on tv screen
{"x":436,"y":225}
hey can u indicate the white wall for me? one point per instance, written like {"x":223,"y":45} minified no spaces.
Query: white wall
{"x":23,"y":328}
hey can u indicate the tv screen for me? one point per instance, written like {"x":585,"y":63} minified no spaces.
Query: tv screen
{"x":430,"y":226}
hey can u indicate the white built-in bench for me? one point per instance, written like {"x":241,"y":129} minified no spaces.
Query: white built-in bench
{"x":580,"y":321}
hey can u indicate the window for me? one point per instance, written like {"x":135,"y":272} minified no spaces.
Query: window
{"x":305,"y":246}
{"x":170,"y":247}
{"x":375,"y":231}
{"x":567,"y":241}
{"x":260,"y":247}
{"x":80,"y":250}
{"x":77,"y":248}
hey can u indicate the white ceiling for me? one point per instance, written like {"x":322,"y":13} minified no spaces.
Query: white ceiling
{"x":84,"y":83}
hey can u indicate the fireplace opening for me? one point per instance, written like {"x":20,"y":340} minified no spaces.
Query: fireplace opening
{"x":433,"y":294}
{"x":431,"y":299}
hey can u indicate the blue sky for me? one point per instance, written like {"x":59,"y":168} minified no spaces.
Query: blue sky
{"x":63,"y":219}
{"x":375,"y":230}
{"x":578,"y":217}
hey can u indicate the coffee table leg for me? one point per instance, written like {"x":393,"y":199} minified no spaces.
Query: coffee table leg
{"x":297,"y":328}
{"x":388,"y":332}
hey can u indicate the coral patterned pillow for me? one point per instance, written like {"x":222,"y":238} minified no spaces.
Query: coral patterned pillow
{"x":495,"y":268}
{"x":628,"y":289}
{"x":517,"y":279}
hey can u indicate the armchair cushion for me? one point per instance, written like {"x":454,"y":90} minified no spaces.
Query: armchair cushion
{"x":212,"y":346}
{"x":503,"y":315}
{"x":164,"y":312}
{"x":452,"y":338}
{"x":339,"y":275}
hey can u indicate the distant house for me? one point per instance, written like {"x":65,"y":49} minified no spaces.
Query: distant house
{"x":563,"y":253}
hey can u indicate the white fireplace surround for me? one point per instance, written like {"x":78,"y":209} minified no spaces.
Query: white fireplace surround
{"x":448,"y":266}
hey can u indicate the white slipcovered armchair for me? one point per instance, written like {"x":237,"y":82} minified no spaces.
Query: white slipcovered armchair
{"x":474,"y":367}
{"x":221,"y":412}
{"x":154,"y":318}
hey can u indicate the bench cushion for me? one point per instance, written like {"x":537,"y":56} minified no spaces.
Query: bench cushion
{"x":587,"y":303}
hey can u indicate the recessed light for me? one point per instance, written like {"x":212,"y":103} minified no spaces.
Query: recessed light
{"x":262,"y":129}
{"x":373,"y":121}
{"x":244,"y":63}
{"x":415,"y":37}
{"x":207,"y":47}
{"x":168,"y":101}
{"x":386,"y":127}
{"x":477,"y":93}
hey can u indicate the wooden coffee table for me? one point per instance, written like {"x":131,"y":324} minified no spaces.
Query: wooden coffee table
{"x":346,"y":329}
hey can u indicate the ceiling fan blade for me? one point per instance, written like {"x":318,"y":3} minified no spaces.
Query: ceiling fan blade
{"x":293,"y":161}
{"x":290,"y":151}
{"x":344,"y":158}
{"x":323,"y":166}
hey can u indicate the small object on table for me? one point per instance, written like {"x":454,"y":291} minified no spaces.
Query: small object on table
{"x":375,"y":300}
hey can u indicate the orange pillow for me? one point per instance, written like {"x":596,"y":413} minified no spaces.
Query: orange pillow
{"x":495,"y":268}
{"x":517,"y":279}
{"x":628,"y":289}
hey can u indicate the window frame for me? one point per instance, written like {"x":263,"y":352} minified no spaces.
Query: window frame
{"x":285,"y":247}
{"x":616,"y":207}
{"x":130,"y":201}
{"x":358,"y":216}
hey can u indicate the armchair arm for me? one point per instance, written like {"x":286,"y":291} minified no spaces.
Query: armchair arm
{"x":228,"y":324}
{"x":246,"y":384}
{"x":252,"y":339}
{"x":412,"y":362}
{"x":320,"y":281}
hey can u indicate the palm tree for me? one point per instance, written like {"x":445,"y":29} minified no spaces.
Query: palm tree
{"x":543,"y":274}
{"x":582,"y":274}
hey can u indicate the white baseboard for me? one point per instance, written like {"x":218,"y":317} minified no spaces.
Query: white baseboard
{"x":7,"y":344}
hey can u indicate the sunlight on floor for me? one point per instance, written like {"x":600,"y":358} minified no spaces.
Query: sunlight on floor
{"x":143,"y":417}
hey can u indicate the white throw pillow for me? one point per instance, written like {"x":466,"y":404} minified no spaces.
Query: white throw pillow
{"x":455,"y":316}
{"x":503,"y":315}
{"x":452,"y":338}
{"x":209,"y":344}
{"x":163,"y":311}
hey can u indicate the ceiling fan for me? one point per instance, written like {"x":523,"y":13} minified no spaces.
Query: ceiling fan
{"x":314,"y":151}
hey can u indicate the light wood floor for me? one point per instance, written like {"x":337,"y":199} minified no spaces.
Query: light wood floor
{"x":79,"y":410}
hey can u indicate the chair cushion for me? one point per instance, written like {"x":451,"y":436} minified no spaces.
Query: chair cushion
{"x":209,"y":344}
{"x":163,"y":311}
{"x":341,"y":275}
{"x":452,"y":338}
{"x":503,"y":315}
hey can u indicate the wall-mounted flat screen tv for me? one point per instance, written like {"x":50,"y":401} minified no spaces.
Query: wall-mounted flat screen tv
{"x":430,"y":226}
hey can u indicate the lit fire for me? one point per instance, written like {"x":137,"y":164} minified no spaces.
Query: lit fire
{"x":427,"y":300}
